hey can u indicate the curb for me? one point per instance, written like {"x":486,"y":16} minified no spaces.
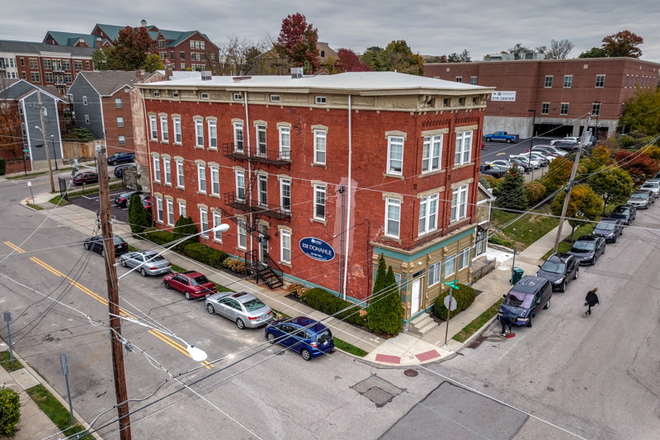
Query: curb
{"x":59,"y":398}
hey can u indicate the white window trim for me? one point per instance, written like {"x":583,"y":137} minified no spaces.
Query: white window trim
{"x":463,"y":147}
{"x":428,"y":153}
{"x":215,"y":172}
{"x":240,"y":173}
{"x":285,"y":234}
{"x":463,"y":258}
{"x":239,"y":127}
{"x":430,"y":217}
{"x":213,"y":124}
{"x":203,"y":212}
{"x":390,"y":141}
{"x":164,"y":134}
{"x":167,"y":171}
{"x":570,"y":79}
{"x":120,"y":121}
{"x":393,"y":202}
{"x":545,"y":81}
{"x":283,"y":183}
{"x":285,"y":150}
{"x":153,"y":128}
{"x":182,"y":209}
{"x":262,"y":178}
{"x":241,"y":233}
{"x":261,"y":128}
{"x":318,"y":189}
{"x":199,"y":133}
{"x":180,"y":183}
{"x":447,"y":260}
{"x":176,"y":123}
{"x":217,"y":221}
{"x":169,"y":204}
{"x":201,"y":177}
{"x":458,"y":207}
{"x":157,"y":175}
{"x":159,"y":209}
{"x":433,"y":272}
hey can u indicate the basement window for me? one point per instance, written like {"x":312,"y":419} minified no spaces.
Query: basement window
{"x":205,"y":96}
{"x":175,"y":94}
{"x":274,"y":98}
{"x":156,"y":94}
{"x":320,"y":100}
{"x":238,"y":97}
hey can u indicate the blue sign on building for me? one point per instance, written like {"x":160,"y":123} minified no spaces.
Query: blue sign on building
{"x":317,"y":249}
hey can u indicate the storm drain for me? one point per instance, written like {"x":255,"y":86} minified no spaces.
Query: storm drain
{"x":378,"y":390}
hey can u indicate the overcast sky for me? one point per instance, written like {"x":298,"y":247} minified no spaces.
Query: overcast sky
{"x":430,"y":27}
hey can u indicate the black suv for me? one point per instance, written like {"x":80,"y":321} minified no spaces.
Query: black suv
{"x":588,"y":248}
{"x":526,"y":298}
{"x":492,"y":170}
{"x":625,"y":213}
{"x":121,"y":158}
{"x":609,"y":229}
{"x":559,"y":269}
{"x":96,"y":244}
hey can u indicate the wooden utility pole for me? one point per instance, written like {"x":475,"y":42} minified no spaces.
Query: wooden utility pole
{"x":576,"y":162}
{"x":43,"y":132}
{"x":113,"y":297}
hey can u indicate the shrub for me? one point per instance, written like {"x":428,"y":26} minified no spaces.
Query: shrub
{"x":138,"y":217}
{"x":385,"y":311}
{"x":185,"y":226}
{"x":464,"y":297}
{"x":326,"y":302}
{"x":297,"y":289}
{"x":205,"y":254}
{"x":234,"y":264}
{"x":159,"y":237}
{"x":626,"y":141}
{"x":3,"y":166}
{"x":10,"y":412}
{"x":535,"y":192}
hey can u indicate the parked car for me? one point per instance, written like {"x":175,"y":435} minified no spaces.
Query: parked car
{"x":245,"y":309}
{"x":502,"y":136}
{"x":502,"y":163}
{"x":121,"y":158}
{"x":491,"y":170}
{"x":653,"y":186}
{"x":526,"y":299}
{"x":569,"y":146}
{"x":146,"y":202}
{"x":86,"y":177}
{"x":588,"y":248}
{"x":119,"y":170}
{"x":549,"y":150}
{"x":527,"y":167}
{"x":96,"y":244}
{"x":560,"y":269}
{"x":122,"y":199}
{"x":640,"y":199}
{"x":192,"y":284}
{"x":540,"y":159}
{"x":148,"y":262}
{"x":609,"y":229}
{"x":303,"y":335}
{"x":529,"y":162}
{"x":573,"y":139}
{"x":625,"y":213}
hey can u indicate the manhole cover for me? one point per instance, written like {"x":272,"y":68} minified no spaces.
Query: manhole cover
{"x":411,"y":373}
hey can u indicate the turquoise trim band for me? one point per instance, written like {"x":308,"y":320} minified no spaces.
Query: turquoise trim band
{"x":408,"y":258}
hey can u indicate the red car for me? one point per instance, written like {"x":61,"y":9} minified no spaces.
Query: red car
{"x":146,"y":202}
{"x":85,"y":177}
{"x":192,"y":284}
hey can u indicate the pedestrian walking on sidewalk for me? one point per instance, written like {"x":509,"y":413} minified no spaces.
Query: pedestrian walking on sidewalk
{"x":506,"y":321}
{"x":591,"y":300}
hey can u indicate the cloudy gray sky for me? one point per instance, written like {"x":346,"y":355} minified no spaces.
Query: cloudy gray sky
{"x":429,"y":27}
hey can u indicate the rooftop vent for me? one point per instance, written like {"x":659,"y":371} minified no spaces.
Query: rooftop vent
{"x":296,"y":72}
{"x":206,"y":75}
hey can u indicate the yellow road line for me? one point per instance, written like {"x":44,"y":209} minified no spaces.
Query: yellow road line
{"x":172,"y":343}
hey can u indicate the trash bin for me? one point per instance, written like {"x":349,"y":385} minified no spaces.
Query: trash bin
{"x":516,"y":275}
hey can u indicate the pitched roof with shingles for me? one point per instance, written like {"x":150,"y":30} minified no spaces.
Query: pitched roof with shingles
{"x":111,"y":30}
{"x":107,"y":82}
{"x":70,"y":38}
{"x":31,"y":47}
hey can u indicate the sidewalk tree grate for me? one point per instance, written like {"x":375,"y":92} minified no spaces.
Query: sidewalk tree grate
{"x":411,"y":373}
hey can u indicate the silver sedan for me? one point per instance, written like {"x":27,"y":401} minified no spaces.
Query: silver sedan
{"x":245,"y":309}
{"x":147,"y":262}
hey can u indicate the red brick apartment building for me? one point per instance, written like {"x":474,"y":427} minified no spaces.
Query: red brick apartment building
{"x":535,"y":96}
{"x":318,"y":176}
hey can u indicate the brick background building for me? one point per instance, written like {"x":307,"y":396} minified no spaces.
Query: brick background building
{"x":371,"y":163}
{"x":554,"y":94}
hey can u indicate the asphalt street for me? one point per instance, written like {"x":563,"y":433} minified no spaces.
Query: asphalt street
{"x":502,"y":150}
{"x":567,"y":377}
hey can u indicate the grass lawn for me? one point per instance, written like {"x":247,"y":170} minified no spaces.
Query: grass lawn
{"x":478,"y":322}
{"x":56,"y":200}
{"x":22,"y":176}
{"x":524,"y":231}
{"x":176,"y":268}
{"x":8,"y":364}
{"x":35,"y":207}
{"x":349,"y":348}
{"x":56,"y":412}
{"x":222,"y":288}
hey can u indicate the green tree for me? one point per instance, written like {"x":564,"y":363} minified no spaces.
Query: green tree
{"x":137,"y":215}
{"x":584,"y":205}
{"x":374,"y":58}
{"x":297,"y":43}
{"x":251,"y":54}
{"x":100,"y":57}
{"x":153,"y":62}
{"x":518,"y":51}
{"x":623,"y":44}
{"x":10,"y":412}
{"x":641,"y":112}
{"x":613,"y":185}
{"x":594,"y":52}
{"x":400,"y":58}
{"x":463,"y":57}
{"x":385,"y":314}
{"x":511,"y":193}
{"x":185,"y":226}
{"x":558,"y":173}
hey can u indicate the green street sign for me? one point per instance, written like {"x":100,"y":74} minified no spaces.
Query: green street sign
{"x":26,"y":150}
{"x":452,"y":284}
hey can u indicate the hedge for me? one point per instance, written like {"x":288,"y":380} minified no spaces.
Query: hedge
{"x":3,"y":166}
{"x":464,"y":297}
{"x":10,"y":412}
{"x":326,"y":302}
{"x":160,"y":237}
{"x":205,"y":254}
{"x":535,"y":191}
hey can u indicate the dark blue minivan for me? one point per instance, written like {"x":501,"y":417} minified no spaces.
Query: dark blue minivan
{"x":303,"y":335}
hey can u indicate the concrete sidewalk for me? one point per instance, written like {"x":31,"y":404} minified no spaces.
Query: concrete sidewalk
{"x":403,"y":350}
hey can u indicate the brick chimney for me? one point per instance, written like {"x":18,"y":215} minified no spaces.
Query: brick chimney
{"x":99,"y":43}
{"x":168,"y":71}
{"x":139,"y":75}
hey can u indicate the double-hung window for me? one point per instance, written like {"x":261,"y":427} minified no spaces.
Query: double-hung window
{"x":431,"y":153}
{"x":159,"y":209}
{"x":285,"y":143}
{"x":285,"y":194}
{"x":450,"y":266}
{"x":428,"y":214}
{"x":217,"y":221}
{"x":319,"y":147}
{"x":563,"y":110}
{"x":156,"y":169}
{"x":285,"y":246}
{"x":204,"y":222}
{"x":545,"y":108}
{"x":240,"y":185}
{"x":242,"y":234}
{"x":215,"y":181}
{"x":459,"y":203}
{"x":164,"y":135}
{"x":238,"y":137}
{"x":118,"y":103}
{"x":568,"y":81}
{"x":201,"y":177}
{"x":168,"y":170}
{"x":179,"y":174}
{"x":262,"y":181}
{"x":120,"y":121}
{"x":261,"y":140}
{"x":548,"y":82}
{"x":463,"y":147}
{"x":182,"y":209}
{"x":176,"y":122}
{"x":213,"y":134}
{"x":395,"y":155}
{"x":199,"y":133}
{"x":463,"y":259}
{"x":434,"y":274}
{"x":319,"y":202}
{"x":600,"y":81}
{"x":595,"y":109}
{"x":392,"y":217}
{"x":170,"y":212}
{"x":153,"y":127}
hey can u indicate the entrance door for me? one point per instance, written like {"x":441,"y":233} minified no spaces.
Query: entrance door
{"x":416,"y":294}
{"x":263,"y":244}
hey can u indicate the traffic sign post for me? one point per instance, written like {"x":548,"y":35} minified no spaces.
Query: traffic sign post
{"x":31,"y":193}
{"x":65,"y":371}
{"x":11,"y":352}
{"x":450,"y":304}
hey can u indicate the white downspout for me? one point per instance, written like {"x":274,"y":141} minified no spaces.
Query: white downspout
{"x":348,"y":213}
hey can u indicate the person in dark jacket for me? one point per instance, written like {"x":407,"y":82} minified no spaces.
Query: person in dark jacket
{"x":591,"y":300}
{"x":506,"y":321}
